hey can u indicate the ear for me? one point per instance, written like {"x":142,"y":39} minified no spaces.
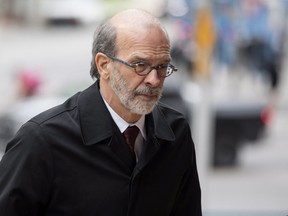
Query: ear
{"x":102,"y":62}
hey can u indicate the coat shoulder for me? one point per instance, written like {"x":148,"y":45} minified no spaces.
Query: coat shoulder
{"x":170,"y":113}
{"x":68,"y":105}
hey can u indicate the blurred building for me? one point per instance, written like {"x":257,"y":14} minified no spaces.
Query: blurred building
{"x":42,"y":11}
{"x":21,"y":10}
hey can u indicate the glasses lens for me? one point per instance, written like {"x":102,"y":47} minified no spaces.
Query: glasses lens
{"x":162,"y":71}
{"x":169,"y":71}
{"x":142,"y":68}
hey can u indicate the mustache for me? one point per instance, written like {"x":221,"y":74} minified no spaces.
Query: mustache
{"x":148,"y":90}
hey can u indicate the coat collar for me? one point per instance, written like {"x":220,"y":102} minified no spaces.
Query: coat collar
{"x":97,"y":124}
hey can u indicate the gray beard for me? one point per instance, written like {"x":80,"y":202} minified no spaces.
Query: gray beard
{"x":128,"y":97}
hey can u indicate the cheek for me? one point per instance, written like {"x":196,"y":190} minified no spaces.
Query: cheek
{"x":135,"y":81}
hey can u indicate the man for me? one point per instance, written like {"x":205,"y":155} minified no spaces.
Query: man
{"x":74,"y":160}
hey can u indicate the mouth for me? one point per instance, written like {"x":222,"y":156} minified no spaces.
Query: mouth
{"x":148,"y":94}
{"x":148,"y":97}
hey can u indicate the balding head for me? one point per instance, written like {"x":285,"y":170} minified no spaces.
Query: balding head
{"x":132,"y":22}
{"x":135,"y":18}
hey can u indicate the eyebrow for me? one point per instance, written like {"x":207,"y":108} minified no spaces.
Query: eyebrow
{"x":146,"y":59}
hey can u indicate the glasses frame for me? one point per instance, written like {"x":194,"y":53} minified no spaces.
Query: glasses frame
{"x":170,"y":68}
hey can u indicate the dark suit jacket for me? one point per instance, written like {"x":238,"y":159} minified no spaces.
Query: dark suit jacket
{"x":73,"y":160}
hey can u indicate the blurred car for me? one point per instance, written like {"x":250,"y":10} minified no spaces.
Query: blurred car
{"x":71,"y":11}
{"x":237,"y":123}
{"x":234,"y":123}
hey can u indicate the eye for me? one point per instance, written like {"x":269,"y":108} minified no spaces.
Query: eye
{"x":141,"y":66}
{"x":162,"y":66}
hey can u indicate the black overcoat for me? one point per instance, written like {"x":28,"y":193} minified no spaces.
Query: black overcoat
{"x":73,"y":161}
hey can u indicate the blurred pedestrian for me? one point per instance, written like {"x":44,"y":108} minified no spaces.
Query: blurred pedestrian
{"x":77,"y":158}
{"x":261,"y":57}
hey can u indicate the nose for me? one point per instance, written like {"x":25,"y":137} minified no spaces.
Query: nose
{"x":153,"y":79}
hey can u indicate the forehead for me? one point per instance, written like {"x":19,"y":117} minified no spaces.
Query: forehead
{"x":148,"y":40}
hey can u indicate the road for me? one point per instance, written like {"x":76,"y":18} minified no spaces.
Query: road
{"x":258,"y":186}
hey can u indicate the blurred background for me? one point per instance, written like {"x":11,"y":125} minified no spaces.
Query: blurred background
{"x":231,"y":84}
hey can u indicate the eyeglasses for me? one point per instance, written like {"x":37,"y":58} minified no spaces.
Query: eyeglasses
{"x":143,"y":68}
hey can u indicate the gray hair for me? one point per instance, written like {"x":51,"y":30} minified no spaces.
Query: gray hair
{"x":104,"y":41}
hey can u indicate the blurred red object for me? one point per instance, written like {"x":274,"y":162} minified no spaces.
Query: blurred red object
{"x":267,"y":115}
{"x":29,"y":82}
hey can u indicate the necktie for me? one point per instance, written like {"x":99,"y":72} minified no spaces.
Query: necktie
{"x":130,"y":136}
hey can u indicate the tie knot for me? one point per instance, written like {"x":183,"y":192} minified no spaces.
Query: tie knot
{"x":130,"y":135}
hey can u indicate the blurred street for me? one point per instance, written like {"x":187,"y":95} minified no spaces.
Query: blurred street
{"x":257,"y":186}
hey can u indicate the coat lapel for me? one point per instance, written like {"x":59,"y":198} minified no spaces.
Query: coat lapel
{"x":97,"y":125}
{"x":158,"y":133}
{"x":96,"y":122}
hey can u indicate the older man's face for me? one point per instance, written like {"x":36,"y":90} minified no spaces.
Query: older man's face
{"x":139,"y":94}
{"x":140,"y":100}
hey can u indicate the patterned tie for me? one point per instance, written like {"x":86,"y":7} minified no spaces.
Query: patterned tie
{"x":130,"y":135}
